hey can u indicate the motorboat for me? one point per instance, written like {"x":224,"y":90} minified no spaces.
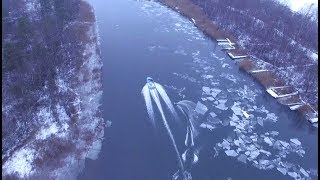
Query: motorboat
{"x":150,"y":83}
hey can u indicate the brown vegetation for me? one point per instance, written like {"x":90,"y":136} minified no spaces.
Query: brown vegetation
{"x":203,"y":22}
{"x":267,"y":79}
{"x":305,"y":109}
{"x":290,"y":99}
{"x":86,"y":13}
{"x":53,"y":153}
{"x":247,"y":65}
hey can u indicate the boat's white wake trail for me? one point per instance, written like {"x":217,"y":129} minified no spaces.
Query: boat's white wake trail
{"x":189,"y":108}
{"x":165,"y":123}
{"x":153,"y":93}
{"x":166,"y":99}
{"x":147,"y":98}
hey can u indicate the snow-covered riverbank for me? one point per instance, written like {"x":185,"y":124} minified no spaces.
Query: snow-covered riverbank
{"x":68,"y":123}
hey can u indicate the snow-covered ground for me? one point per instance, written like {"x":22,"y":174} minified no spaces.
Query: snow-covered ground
{"x":69,"y":126}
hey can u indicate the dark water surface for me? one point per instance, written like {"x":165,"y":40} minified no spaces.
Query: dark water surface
{"x":142,"y":38}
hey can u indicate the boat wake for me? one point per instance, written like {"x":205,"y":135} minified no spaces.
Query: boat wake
{"x":153,"y":90}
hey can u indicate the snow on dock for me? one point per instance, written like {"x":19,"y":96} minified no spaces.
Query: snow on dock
{"x":295,"y":107}
{"x":222,"y":40}
{"x":272,"y":93}
{"x":279,"y":87}
{"x":225,"y":41}
{"x":226,"y":46}
{"x":293,"y":104}
{"x":235,"y":57}
{"x":286,"y":95}
{"x":259,"y":70}
{"x":194,"y":22}
{"x":275,"y":95}
{"x":313,"y":120}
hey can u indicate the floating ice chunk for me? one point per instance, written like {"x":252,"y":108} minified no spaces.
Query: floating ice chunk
{"x":212,"y":114}
{"x":285,"y":144}
{"x":233,"y":123}
{"x":180,"y":51}
{"x":272,"y":117}
{"x":240,"y":126}
{"x":301,"y":152}
{"x":264,"y":161}
{"x":225,"y":122}
{"x":277,"y":145}
{"x":265,"y":152}
{"x":215,"y":92}
{"x":201,"y":108}
{"x":225,"y":144}
{"x":207,"y":126}
{"x":237,"y":142}
{"x":232,"y":153}
{"x":236,"y":109}
{"x":247,"y":139}
{"x":304,"y":172}
{"x":246,"y":115}
{"x":222,"y":101}
{"x":234,"y":118}
{"x":260,"y":121}
{"x":296,"y":141}
{"x":221,"y":106}
{"x":210,"y":98}
{"x":274,"y":133}
{"x":254,"y":154}
{"x":268,"y":141}
{"x":108,"y":123}
{"x":242,"y":158}
{"x":208,"y":76}
{"x":225,"y":65}
{"x":293,"y":174}
{"x":214,"y":120}
{"x":177,"y":24}
{"x":206,"y":89}
{"x":282,"y":170}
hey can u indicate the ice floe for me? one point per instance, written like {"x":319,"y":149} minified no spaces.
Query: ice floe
{"x":296,"y":141}
{"x":232,"y":153}
{"x":293,"y":174}
{"x":207,"y":126}
{"x":268,"y":141}
{"x":208,"y":76}
{"x":282,"y":170}
{"x":242,"y":158}
{"x":201,"y":108}
{"x":212,"y":114}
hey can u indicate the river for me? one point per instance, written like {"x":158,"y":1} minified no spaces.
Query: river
{"x":143,"y":38}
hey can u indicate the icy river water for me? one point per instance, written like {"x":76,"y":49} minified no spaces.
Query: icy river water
{"x":143,"y":38}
